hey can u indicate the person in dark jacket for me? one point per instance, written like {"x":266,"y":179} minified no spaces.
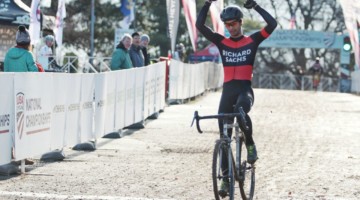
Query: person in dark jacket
{"x":19,"y":58}
{"x":121,"y":57}
{"x":136,"y":54}
{"x":144,"y":42}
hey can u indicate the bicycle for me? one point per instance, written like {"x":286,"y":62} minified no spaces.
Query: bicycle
{"x":238,"y":170}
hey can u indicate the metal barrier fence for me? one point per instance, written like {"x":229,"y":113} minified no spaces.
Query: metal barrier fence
{"x":292,"y":82}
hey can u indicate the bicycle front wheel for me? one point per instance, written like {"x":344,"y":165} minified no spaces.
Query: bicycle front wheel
{"x":247,"y":181}
{"x":223,"y":172}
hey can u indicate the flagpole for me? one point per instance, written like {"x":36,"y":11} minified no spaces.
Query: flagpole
{"x":92,"y":28}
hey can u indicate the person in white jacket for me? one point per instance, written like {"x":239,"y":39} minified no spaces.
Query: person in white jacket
{"x":45,"y":53}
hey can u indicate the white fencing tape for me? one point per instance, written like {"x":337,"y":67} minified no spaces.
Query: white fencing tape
{"x":6,"y":116}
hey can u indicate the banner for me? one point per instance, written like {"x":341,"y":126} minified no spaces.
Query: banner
{"x":33,"y":108}
{"x":6,"y":116}
{"x":189,"y":7}
{"x":110,"y":103}
{"x":87,"y":107}
{"x":120,"y":99}
{"x":35,"y":24}
{"x":59,"y":22}
{"x":215,"y":10}
{"x":127,"y":9}
{"x":139,"y":93}
{"x":173,"y":10}
{"x":130,"y":97}
{"x":61,"y":84}
{"x":100,"y":99}
{"x":72,"y":130}
{"x":351,"y":10}
{"x":303,"y":39}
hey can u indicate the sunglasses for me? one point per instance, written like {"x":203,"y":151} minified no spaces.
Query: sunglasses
{"x":232,"y":23}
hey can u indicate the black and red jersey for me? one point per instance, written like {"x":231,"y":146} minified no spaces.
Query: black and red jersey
{"x":237,"y":54}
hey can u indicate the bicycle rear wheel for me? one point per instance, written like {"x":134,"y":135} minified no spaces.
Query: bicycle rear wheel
{"x":221,"y":176}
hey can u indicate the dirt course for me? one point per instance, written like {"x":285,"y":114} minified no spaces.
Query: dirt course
{"x":308,"y":144}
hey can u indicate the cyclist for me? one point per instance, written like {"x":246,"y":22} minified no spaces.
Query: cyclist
{"x":316,"y":71}
{"x":238,"y":55}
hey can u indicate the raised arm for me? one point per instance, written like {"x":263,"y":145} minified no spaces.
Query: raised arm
{"x":271,"y":22}
{"x":200,"y":23}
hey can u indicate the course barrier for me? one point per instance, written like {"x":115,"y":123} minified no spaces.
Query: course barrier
{"x":355,"y":82}
{"x":41,"y":112}
{"x":190,"y":80}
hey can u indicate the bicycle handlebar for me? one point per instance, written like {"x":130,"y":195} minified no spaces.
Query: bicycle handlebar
{"x":223,"y":116}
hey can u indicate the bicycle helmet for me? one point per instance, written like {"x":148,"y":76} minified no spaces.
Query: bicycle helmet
{"x":230,"y":13}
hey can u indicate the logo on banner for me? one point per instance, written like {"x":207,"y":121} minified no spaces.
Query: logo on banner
{"x":20,"y":108}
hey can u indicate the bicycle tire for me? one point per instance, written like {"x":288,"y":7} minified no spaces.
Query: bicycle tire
{"x":247,"y":177}
{"x":217,"y":173}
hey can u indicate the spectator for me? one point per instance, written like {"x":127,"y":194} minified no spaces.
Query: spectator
{"x":121,"y":58}
{"x":19,"y":58}
{"x":180,"y":52}
{"x":144,"y":42}
{"x":316,"y":71}
{"x":45,"y":53}
{"x":136,"y":54}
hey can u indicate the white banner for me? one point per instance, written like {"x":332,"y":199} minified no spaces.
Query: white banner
{"x":100,"y":99}
{"x":59,"y":22}
{"x":35,"y":17}
{"x":139,"y":93}
{"x":215,"y":10}
{"x":61,"y":84}
{"x":173,"y":11}
{"x":72,"y":131}
{"x":130,"y":97}
{"x":159,"y":86}
{"x":33,"y":109}
{"x":87,"y":107}
{"x":147,"y":84}
{"x":6,"y":116}
{"x":109,"y":125}
{"x":189,"y":7}
{"x":120,"y":99}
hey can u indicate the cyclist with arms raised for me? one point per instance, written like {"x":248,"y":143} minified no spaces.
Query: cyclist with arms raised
{"x":238,"y":56}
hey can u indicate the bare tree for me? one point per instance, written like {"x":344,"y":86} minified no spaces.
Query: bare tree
{"x":316,"y":15}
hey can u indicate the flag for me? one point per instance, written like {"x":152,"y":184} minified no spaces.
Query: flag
{"x":292,"y":21}
{"x":127,"y":9}
{"x":173,"y":11}
{"x":215,"y":11}
{"x":59,"y":22}
{"x":189,"y":7}
{"x":35,"y":24}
